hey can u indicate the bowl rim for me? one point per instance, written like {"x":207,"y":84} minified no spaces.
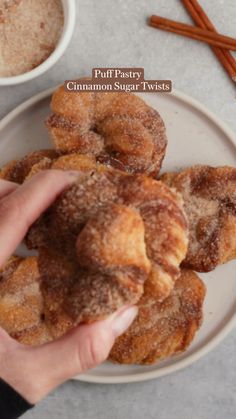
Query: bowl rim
{"x":69,"y":10}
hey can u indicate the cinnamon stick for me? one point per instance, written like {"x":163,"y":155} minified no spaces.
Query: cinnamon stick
{"x":202,"y":20}
{"x":199,"y":34}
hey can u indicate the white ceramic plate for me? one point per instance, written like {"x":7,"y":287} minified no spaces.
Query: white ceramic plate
{"x":195,"y":136}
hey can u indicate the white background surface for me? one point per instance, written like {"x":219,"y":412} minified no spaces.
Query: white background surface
{"x":114,"y":33}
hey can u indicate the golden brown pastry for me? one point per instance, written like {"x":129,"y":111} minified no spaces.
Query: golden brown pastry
{"x":209,"y":195}
{"x":118,"y":126}
{"x":17,"y":170}
{"x":159,"y":331}
{"x":100,"y":241}
{"x":21,"y":302}
{"x":162,"y":329}
{"x":20,"y":170}
{"x":34,"y":336}
{"x":6,"y":172}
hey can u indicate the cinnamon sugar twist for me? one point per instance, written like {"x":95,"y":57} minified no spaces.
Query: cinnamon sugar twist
{"x":21,"y":301}
{"x":162,"y":329}
{"x":22,"y":169}
{"x":101,"y":240}
{"x":159,"y":331}
{"x":209,"y":195}
{"x":120,"y":126}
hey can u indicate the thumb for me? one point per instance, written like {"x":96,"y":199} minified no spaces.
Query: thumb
{"x":46,"y":367}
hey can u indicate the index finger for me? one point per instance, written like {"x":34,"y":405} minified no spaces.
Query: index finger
{"x":7,"y":187}
{"x":23,"y":206}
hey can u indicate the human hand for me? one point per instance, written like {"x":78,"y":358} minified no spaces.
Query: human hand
{"x":35,"y":371}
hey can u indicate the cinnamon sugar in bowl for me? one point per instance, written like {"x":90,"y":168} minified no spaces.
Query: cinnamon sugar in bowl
{"x":33,"y":36}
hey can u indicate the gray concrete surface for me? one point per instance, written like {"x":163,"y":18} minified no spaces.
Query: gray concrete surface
{"x":114,"y":33}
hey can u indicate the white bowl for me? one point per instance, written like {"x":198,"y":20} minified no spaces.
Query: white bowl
{"x":69,"y":23}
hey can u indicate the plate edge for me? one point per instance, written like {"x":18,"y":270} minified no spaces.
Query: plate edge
{"x":229,"y":326}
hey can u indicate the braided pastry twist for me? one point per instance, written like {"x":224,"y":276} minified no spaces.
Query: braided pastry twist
{"x":100,"y":241}
{"x":18,"y":170}
{"x":22,"y":169}
{"x":159,"y":331}
{"x":21,"y":302}
{"x":162,"y":329}
{"x":209,"y":195}
{"x":120,"y":126}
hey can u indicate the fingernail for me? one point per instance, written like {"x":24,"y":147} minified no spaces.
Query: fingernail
{"x":122,"y":321}
{"x":73,"y":175}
